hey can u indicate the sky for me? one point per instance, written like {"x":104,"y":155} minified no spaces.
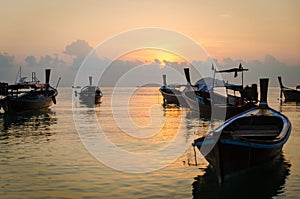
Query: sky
{"x":263,"y":35}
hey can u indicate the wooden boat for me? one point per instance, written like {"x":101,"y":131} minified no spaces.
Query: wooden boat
{"x":27,"y":96}
{"x":290,"y":95}
{"x":236,"y":100}
{"x":172,"y":93}
{"x":90,"y":94}
{"x":24,"y":96}
{"x":246,"y":140}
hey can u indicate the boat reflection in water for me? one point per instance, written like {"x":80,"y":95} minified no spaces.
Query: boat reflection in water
{"x":34,"y":123}
{"x":265,"y":181}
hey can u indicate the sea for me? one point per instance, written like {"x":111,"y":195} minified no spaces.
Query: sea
{"x":130,"y":146}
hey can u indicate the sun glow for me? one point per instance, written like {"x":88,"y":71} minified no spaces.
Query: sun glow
{"x":148,"y":56}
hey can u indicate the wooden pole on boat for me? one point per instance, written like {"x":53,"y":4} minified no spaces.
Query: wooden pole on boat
{"x":264,"y":82}
{"x":47,"y":75}
{"x":214,"y":79}
{"x":164,"y":80}
{"x":58,"y":82}
{"x":187,"y":76}
{"x":241,"y":67}
{"x":281,"y":87}
{"x":90,"y":80}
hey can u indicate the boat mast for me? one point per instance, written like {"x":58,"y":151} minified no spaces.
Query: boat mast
{"x":214,"y":77}
{"x":243,"y":79}
{"x":164,"y":80}
{"x":19,"y":74}
{"x":241,"y":67}
{"x":90,"y":80}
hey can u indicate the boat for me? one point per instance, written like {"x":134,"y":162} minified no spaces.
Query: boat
{"x":90,"y":94}
{"x":290,"y":95}
{"x":28,"y":96}
{"x":172,"y":93}
{"x":236,"y":99}
{"x":247,"y":140}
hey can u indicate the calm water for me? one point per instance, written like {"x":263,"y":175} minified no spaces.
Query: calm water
{"x":42,"y":155}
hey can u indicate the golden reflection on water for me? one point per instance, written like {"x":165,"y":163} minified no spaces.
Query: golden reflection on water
{"x":146,"y":116}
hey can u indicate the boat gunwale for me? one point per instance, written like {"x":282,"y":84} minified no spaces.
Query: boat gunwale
{"x":245,"y":141}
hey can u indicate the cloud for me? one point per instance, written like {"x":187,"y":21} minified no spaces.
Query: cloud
{"x":8,"y":68}
{"x":6,"y":60}
{"x":269,"y":67}
{"x":31,"y":61}
{"x":79,"y":50}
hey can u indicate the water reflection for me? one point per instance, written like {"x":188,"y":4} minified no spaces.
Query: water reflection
{"x":89,"y":104}
{"x":262,"y":182}
{"x":289,"y":106}
{"x":31,"y":124}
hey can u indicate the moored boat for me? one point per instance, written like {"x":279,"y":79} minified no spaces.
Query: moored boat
{"x":232,"y":99}
{"x":247,"y":140}
{"x":290,"y":95}
{"x":172,"y":94}
{"x":27,"y":96}
{"x":90,"y":94}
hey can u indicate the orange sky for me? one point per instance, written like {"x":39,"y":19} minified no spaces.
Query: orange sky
{"x":151,"y":55}
{"x":238,"y":29}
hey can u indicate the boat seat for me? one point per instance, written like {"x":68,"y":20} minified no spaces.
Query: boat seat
{"x":258,"y":127}
{"x":257,"y":132}
{"x":267,"y":130}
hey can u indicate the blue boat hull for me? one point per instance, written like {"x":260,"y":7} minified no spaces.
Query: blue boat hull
{"x":245,"y":141}
{"x":229,"y":158}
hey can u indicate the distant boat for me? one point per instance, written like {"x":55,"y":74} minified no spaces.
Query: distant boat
{"x":27,"y":96}
{"x":90,"y":94}
{"x":246,"y":140}
{"x":290,"y":95}
{"x":172,"y":94}
{"x":229,"y":104}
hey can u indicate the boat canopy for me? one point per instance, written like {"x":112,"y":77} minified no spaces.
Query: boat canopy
{"x":233,"y":70}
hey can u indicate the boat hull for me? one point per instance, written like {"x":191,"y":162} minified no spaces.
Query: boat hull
{"x":245,"y":141}
{"x":291,"y":95}
{"x":15,"y":105}
{"x":229,"y":158}
{"x":218,"y":111}
{"x":90,"y":99}
{"x":173,"y":97}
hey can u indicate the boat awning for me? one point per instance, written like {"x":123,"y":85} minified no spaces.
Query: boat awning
{"x":233,"y":70}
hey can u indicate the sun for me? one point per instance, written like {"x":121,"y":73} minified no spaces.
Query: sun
{"x":149,"y":55}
